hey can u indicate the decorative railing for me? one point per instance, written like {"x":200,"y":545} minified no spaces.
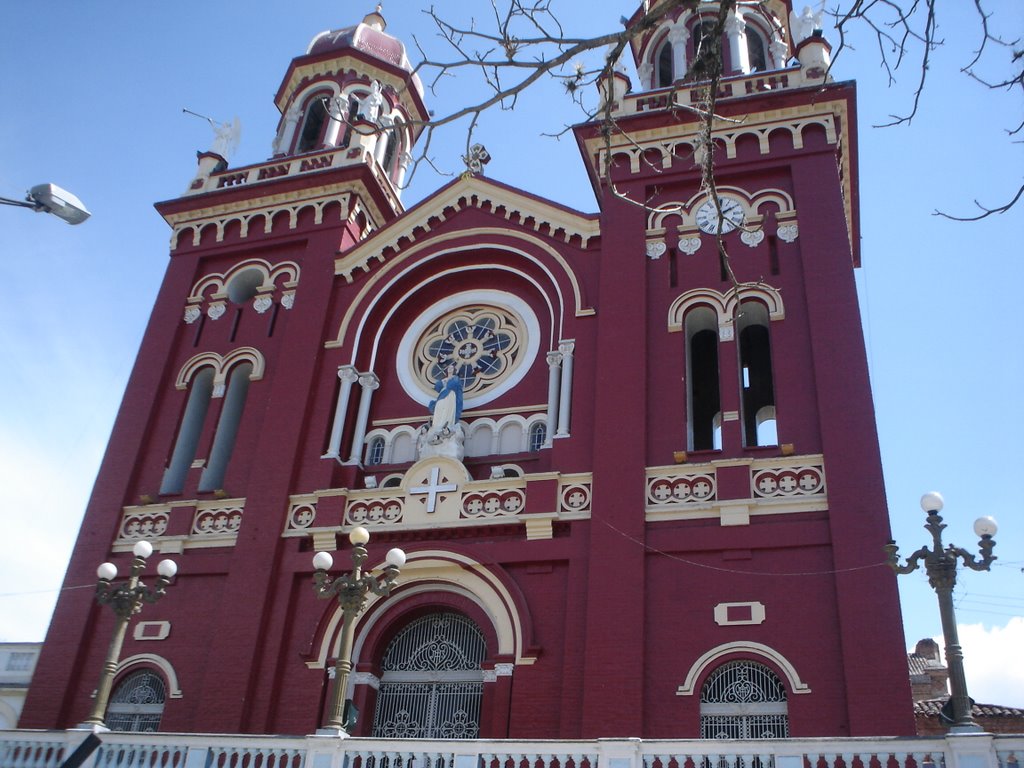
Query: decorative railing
{"x":48,"y":749}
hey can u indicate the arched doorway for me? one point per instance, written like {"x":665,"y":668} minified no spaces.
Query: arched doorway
{"x":432,"y":681}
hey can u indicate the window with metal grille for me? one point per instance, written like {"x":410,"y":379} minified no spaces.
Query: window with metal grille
{"x":375,"y":451}
{"x":538,"y":436}
{"x":138,"y":703}
{"x":431,"y":681}
{"x":743,"y":700}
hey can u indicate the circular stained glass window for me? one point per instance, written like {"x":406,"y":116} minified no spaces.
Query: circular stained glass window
{"x":483,"y":344}
{"x":489,"y":337}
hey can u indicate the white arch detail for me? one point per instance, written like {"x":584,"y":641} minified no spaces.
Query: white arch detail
{"x":688,"y":688}
{"x":174,"y":691}
{"x":724,"y":305}
{"x":437,"y":571}
{"x":221,"y":366}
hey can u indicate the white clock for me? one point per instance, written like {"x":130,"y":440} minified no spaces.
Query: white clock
{"x":732,"y":215}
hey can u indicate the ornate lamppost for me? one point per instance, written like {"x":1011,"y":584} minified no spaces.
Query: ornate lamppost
{"x":126,"y":600}
{"x":940,"y":564}
{"x":351,"y":590}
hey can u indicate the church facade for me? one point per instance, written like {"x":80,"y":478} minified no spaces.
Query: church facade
{"x":638,"y":485}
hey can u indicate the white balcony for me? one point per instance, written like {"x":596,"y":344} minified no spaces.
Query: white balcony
{"x":49,"y":749}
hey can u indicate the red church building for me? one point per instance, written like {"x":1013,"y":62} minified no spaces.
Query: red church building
{"x":639,"y":496}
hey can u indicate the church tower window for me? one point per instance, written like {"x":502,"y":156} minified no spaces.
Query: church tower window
{"x":743,"y":700}
{"x":702,"y":393}
{"x":227,"y":428}
{"x":758,"y":399}
{"x":664,"y":63}
{"x":432,"y":680}
{"x":137,"y":704}
{"x":757,"y":59}
{"x":313,"y":127}
{"x":188,"y":433}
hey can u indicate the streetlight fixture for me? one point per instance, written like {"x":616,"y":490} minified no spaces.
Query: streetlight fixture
{"x":49,"y":198}
{"x":350,"y":590}
{"x":940,"y":564}
{"x":126,"y":600}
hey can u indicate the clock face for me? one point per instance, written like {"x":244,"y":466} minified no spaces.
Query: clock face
{"x":732,"y":215}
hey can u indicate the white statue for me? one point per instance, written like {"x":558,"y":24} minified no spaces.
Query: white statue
{"x":444,"y":436}
{"x":370,"y":105}
{"x":806,"y":25}
{"x":225,"y":137}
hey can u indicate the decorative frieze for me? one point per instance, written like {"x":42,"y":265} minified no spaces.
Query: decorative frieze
{"x":374,"y":511}
{"x":493,"y":503}
{"x":181,"y":525}
{"x":144,"y":524}
{"x":217,"y":521}
{"x":574,"y":496}
{"x":671,"y":489}
{"x":787,"y":481}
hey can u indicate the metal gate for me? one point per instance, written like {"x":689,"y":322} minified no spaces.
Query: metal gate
{"x":138,"y":703}
{"x":432,"y":681}
{"x":743,"y":700}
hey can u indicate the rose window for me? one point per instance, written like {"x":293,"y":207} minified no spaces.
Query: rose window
{"x":483,"y":344}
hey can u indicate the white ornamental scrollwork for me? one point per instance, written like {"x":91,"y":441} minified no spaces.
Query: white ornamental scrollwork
{"x":192,"y":314}
{"x":689,"y":245}
{"x":752,"y":237}
{"x":216,"y":310}
{"x":262,"y":303}
{"x":288,"y":299}
{"x":655,"y":250}
{"x":789,"y":232}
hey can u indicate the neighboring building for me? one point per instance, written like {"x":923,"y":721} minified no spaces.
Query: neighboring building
{"x":646,"y":504}
{"x":17,"y":663}
{"x":929,"y":682}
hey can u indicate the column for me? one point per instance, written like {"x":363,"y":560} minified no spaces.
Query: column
{"x":735,"y":29}
{"x":367,"y":382}
{"x":554,"y":366}
{"x":337,"y":114}
{"x":348,"y":376}
{"x":678,"y":36}
{"x":565,"y":348}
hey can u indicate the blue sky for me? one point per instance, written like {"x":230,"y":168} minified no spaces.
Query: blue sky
{"x":93,"y":96}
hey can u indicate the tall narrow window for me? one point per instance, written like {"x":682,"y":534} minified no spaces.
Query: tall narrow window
{"x":703,"y":404}
{"x":743,"y":700}
{"x":188,"y":433}
{"x":756,"y":59}
{"x":665,"y":74}
{"x":353,"y":109}
{"x":138,"y":703}
{"x":758,"y":401}
{"x":432,"y":681}
{"x":538,"y":435}
{"x":375,"y":451}
{"x":227,"y":428}
{"x":312,"y":128}
{"x":394,"y":142}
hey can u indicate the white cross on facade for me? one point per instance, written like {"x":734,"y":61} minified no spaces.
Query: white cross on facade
{"x":787,"y":484}
{"x":433,"y":488}
{"x":808,"y":481}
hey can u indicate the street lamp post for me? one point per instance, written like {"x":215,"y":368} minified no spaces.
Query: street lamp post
{"x":350,"y":590}
{"x":49,"y":198}
{"x":940,"y":564}
{"x":126,"y":600}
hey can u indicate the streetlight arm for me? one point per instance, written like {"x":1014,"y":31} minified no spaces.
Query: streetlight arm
{"x":985,"y":546}
{"x":912,"y":564}
{"x":21,"y":203}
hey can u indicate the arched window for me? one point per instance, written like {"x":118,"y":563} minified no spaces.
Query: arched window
{"x":757,"y":60}
{"x":353,"y":109}
{"x":703,"y":39}
{"x":313,"y":126}
{"x":394,"y":142}
{"x":703,"y":403}
{"x":538,"y":436}
{"x":227,"y":428}
{"x":188,"y":433}
{"x":431,"y":681}
{"x":663,"y":61}
{"x":743,"y":700}
{"x":758,"y":401}
{"x":138,"y":703}
{"x":375,"y":451}
{"x":244,"y":285}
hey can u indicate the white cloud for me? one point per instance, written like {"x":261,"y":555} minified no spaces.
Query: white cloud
{"x":992,"y":662}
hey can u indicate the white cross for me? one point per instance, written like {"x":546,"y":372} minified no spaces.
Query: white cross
{"x":787,"y":484}
{"x":662,"y":492}
{"x":808,"y":481}
{"x":433,"y":488}
{"x":576,"y":499}
{"x":702,"y":489}
{"x":767,"y":485}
